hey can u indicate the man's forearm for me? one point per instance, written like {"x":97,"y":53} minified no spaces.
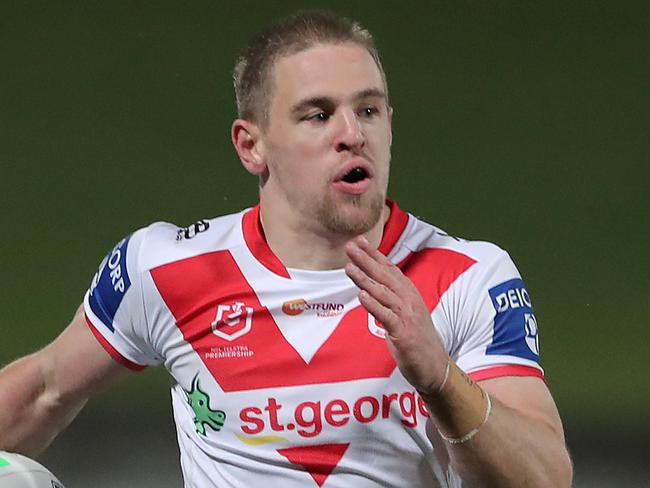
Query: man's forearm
{"x":31,"y":414}
{"x":509,"y":449}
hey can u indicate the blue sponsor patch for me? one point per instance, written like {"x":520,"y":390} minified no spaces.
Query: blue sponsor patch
{"x":515,"y":326}
{"x":110,"y":284}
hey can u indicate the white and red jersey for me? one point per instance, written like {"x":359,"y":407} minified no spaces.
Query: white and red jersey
{"x":281,"y":376}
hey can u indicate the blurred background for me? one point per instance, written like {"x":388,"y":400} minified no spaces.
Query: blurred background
{"x":522,"y":123}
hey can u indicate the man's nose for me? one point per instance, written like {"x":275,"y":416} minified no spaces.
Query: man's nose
{"x":350,"y":134}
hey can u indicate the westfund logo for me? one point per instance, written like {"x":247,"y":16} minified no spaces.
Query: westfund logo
{"x":322,"y":309}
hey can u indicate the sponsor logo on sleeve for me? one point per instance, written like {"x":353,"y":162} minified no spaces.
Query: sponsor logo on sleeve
{"x":515,"y":325}
{"x":110,"y":284}
{"x":193,"y":230}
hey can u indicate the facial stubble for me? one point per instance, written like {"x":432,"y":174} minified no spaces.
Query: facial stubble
{"x":339,"y":219}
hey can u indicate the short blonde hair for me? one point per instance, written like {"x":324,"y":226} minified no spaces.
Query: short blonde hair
{"x":291,"y":35}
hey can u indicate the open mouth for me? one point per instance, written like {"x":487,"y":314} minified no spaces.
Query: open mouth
{"x":355,"y":178}
{"x":355,"y":175}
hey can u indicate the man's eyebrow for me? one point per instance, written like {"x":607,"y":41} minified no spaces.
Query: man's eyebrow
{"x":370,"y":93}
{"x":310,"y":102}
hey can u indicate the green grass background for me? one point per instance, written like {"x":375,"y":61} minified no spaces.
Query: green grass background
{"x":524,"y":123}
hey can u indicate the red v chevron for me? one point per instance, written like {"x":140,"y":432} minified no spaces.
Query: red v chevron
{"x":319,"y":461}
{"x":216,"y":279}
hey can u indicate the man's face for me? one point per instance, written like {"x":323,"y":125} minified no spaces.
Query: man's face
{"x":327,"y":142}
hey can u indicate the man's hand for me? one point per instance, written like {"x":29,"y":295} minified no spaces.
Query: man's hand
{"x":523,"y":439}
{"x":396,"y":303}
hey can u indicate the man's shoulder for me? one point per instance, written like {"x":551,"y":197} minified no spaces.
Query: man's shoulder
{"x":472,"y":265}
{"x":162,"y":242}
{"x":421,"y":235}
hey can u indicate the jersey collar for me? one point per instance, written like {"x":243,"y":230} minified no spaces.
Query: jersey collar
{"x":256,"y":241}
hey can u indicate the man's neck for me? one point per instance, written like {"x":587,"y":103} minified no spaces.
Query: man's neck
{"x":300,"y":247}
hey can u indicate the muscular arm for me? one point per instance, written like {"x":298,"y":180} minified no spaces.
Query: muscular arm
{"x":40,"y":394}
{"x":520,"y":445}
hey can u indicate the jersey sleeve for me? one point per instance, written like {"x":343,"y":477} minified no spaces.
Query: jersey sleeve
{"x":114,"y":307}
{"x":496,"y":331}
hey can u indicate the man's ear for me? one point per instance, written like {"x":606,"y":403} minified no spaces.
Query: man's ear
{"x":245,"y":137}
{"x":390,"y":125}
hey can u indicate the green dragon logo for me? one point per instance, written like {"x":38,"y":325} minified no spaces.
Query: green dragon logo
{"x":203,"y":414}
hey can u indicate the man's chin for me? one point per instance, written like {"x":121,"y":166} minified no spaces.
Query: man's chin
{"x":353,"y":216}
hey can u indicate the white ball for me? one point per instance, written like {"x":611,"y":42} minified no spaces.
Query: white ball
{"x":18,"y":471}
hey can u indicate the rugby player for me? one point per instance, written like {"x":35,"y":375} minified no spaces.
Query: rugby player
{"x":323,"y":337}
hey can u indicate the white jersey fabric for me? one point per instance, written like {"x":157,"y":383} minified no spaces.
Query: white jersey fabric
{"x":281,"y":377}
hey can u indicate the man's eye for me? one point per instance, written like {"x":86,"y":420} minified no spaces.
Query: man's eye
{"x":318,"y":117}
{"x":368,"y":112}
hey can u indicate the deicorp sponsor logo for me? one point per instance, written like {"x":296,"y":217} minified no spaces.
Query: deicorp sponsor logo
{"x":513,"y":297}
{"x":322,"y":309}
{"x":515,"y":325}
{"x":110,"y":284}
{"x":309,"y":418}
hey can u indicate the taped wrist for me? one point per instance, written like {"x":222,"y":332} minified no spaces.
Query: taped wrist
{"x":459,"y":407}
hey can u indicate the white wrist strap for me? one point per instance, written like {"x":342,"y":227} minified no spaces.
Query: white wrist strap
{"x":470,"y":435}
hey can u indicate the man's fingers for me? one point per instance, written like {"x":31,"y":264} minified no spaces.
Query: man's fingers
{"x":374,"y":264}
{"x":378,"y":291}
{"x":383,"y":314}
{"x":362,"y":243}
